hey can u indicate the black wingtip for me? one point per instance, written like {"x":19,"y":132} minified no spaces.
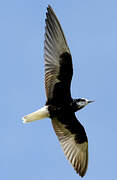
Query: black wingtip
{"x":81,"y":174}
{"x":50,"y":10}
{"x":49,"y":7}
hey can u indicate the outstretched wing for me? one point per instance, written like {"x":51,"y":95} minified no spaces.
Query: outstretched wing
{"x":73,"y":140}
{"x":58,"y":61}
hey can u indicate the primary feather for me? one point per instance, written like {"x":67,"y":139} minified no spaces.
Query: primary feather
{"x":58,"y":76}
{"x":60,"y":106}
{"x":58,"y":61}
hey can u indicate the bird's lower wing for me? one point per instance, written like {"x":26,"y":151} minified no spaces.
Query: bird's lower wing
{"x":74,"y":143}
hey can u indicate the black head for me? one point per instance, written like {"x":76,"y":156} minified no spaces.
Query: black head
{"x":82,"y":102}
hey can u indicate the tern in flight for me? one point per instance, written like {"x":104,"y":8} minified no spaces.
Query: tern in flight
{"x":60,"y":106}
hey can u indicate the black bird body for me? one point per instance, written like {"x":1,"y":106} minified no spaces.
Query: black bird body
{"x":60,"y":106}
{"x":65,"y":114}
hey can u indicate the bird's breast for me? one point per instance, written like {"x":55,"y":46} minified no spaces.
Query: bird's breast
{"x":59,"y":111}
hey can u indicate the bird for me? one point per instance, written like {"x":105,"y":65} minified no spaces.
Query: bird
{"x":60,"y":107}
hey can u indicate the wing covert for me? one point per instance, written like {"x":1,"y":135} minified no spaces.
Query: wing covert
{"x":74,"y":142}
{"x":58,"y":60}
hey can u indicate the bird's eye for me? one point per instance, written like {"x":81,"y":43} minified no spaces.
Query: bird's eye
{"x":81,"y":103}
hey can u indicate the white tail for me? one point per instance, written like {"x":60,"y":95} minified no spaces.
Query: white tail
{"x":37,"y":115}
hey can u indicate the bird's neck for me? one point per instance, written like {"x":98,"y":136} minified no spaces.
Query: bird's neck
{"x":75,"y":106}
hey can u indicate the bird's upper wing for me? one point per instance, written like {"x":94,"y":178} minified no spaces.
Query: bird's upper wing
{"x":73,"y":140}
{"x":58,"y":61}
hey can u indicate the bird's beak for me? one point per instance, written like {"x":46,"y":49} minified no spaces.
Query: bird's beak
{"x":89,"y":101}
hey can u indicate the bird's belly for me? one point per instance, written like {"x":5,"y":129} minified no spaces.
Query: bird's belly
{"x":59,"y":111}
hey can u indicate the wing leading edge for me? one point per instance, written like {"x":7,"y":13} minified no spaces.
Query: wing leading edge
{"x":73,"y":140}
{"x":58,"y":61}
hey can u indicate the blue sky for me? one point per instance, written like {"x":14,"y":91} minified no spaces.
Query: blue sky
{"x":32,"y":151}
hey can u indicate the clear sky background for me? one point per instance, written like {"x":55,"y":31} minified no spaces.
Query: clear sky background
{"x":32,"y":151}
